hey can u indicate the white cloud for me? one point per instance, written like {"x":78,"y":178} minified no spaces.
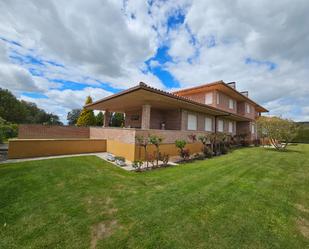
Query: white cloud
{"x":110,"y":41}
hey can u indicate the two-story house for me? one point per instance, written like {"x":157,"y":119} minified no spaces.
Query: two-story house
{"x":216,"y":107}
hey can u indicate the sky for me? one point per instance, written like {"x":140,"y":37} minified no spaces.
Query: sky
{"x":55,"y":53}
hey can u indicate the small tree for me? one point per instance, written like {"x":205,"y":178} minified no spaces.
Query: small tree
{"x":143,"y":142}
{"x":156,"y":141}
{"x":184,"y":153}
{"x":86,"y":117}
{"x":279,"y":131}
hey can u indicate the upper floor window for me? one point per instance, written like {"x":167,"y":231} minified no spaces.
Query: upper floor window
{"x":231,"y":103}
{"x":218,"y":98}
{"x":208,"y":98}
{"x":192,"y":122}
{"x":220,"y":125}
{"x":230,"y":126}
{"x":248,"y":108}
{"x":252,"y":129}
{"x":208,"y":124}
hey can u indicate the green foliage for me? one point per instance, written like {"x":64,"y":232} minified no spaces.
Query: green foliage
{"x":184,"y":153}
{"x":117,"y":120}
{"x":15,"y":111}
{"x":120,"y":158}
{"x":72,"y":116}
{"x":86,"y":117}
{"x":137,"y":164}
{"x":156,"y":141}
{"x":279,"y":131}
{"x":180,"y":144}
{"x":99,"y":119}
{"x":7,"y":130}
{"x":302,"y":135}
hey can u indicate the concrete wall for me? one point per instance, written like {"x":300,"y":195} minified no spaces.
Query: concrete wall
{"x":25,"y":148}
{"x":51,"y":131}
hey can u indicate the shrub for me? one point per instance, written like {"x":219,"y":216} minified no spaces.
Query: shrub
{"x":7,"y":130}
{"x":164,"y":158}
{"x":207,"y":151}
{"x":185,"y":154}
{"x":137,"y":164}
{"x":120,"y":158}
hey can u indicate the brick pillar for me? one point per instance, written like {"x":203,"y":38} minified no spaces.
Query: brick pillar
{"x":146,"y":116}
{"x":107,"y":116}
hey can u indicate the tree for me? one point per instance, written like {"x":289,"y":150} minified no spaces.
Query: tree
{"x":143,"y":142}
{"x":156,"y":141}
{"x":73,"y":115}
{"x":20,"y":111}
{"x":11,"y":109}
{"x":99,"y":119}
{"x":279,"y":131}
{"x":117,"y":119}
{"x":86,"y":117}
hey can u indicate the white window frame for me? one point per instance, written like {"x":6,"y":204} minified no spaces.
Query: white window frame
{"x":220,"y":122}
{"x":209,"y":98}
{"x":231,"y":127}
{"x":218,"y":98}
{"x":192,"y":126}
{"x":207,"y":128}
{"x":252,"y":128}
{"x":231,"y":103}
{"x":248,"y":108}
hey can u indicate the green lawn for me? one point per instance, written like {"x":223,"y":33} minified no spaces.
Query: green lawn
{"x":251,"y":198}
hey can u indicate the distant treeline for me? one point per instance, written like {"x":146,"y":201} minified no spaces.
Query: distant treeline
{"x":14,"y":112}
{"x":19,"y":111}
{"x":303,"y":133}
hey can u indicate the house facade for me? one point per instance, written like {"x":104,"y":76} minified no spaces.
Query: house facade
{"x":210,"y":108}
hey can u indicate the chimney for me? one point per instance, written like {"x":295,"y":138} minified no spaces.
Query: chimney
{"x":246,"y":93}
{"x":232,"y":84}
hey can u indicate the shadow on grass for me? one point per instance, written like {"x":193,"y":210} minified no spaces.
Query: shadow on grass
{"x":284,"y":151}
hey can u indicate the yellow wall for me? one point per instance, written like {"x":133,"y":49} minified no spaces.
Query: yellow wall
{"x":121,"y":149}
{"x":23,"y":148}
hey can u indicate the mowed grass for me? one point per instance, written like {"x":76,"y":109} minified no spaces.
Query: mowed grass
{"x":250,"y":198}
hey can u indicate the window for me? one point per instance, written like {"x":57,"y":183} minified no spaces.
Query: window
{"x":218,"y":98}
{"x":192,"y":122}
{"x":247,"y":108}
{"x":252,"y":129}
{"x":208,"y":98}
{"x":231,"y":104}
{"x":230,"y":126}
{"x":220,"y":125}
{"x":208,"y":124}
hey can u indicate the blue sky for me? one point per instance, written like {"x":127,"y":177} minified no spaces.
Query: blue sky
{"x":56,"y":62}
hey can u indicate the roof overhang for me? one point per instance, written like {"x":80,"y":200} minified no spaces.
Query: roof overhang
{"x":135,"y":97}
{"x":223,"y":87}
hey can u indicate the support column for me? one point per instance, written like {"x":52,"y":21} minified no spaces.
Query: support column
{"x":146,"y":116}
{"x":107,"y":117}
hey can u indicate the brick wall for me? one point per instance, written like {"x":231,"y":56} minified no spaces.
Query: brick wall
{"x":125,"y":135}
{"x":51,"y":131}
